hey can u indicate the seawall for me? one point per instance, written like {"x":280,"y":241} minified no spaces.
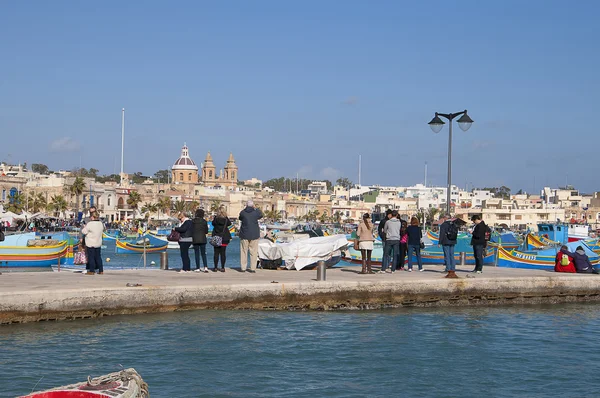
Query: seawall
{"x":30,"y":297}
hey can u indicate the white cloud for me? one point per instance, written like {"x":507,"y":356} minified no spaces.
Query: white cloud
{"x":65,"y":144}
{"x":329,"y":173}
{"x":305,"y":171}
{"x":353,"y":100}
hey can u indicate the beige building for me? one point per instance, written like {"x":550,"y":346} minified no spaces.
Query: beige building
{"x":184,"y":170}
{"x":227,"y":177}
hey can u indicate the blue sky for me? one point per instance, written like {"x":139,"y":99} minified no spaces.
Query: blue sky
{"x":305,"y":87}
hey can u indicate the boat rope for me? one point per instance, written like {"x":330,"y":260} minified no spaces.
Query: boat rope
{"x":123,"y":375}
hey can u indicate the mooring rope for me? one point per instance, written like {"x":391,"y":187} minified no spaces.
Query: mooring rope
{"x":123,"y":375}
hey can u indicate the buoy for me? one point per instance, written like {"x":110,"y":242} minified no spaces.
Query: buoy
{"x":108,"y":259}
{"x":152,"y":263}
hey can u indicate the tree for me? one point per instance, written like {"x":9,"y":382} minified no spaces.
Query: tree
{"x":164,"y":204}
{"x":39,"y":168}
{"x":137,"y":178}
{"x":214,"y":205}
{"x":344,"y":182}
{"x":162,"y":176}
{"x":179,"y":206}
{"x":134,"y":200}
{"x":324,"y":218}
{"x":58,"y":205}
{"x":112,"y":177}
{"x":36,"y":202}
{"x":273,"y":215}
{"x":431,"y":214}
{"x":192,"y":206}
{"x":76,"y":189}
{"x":337,"y":217}
{"x":502,"y":192}
{"x":148,"y":209}
{"x":93,"y":173}
{"x":16,"y":203}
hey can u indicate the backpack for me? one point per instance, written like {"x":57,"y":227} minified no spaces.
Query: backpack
{"x":452,"y":232}
{"x":488,"y":234}
{"x":564,"y":260}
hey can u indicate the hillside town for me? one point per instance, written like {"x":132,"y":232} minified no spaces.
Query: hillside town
{"x":187,"y":186}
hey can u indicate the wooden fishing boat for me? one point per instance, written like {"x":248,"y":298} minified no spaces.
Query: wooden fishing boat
{"x":147,"y":243}
{"x":429,"y":255}
{"x":541,"y":259}
{"x":124,"y":384}
{"x":25,"y":250}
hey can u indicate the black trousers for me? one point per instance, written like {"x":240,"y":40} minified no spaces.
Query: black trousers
{"x":220,"y":252}
{"x":184,"y":248}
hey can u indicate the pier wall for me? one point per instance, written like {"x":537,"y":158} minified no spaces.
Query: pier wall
{"x":78,"y":303}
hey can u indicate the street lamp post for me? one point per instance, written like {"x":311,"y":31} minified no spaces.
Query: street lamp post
{"x":436,"y":125}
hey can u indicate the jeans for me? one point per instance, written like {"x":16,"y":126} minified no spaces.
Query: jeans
{"x":184,"y":248}
{"x":417,"y":251}
{"x":94,"y":259}
{"x":478,"y":252}
{"x":449,"y":257}
{"x":200,"y":249}
{"x":389,"y":247}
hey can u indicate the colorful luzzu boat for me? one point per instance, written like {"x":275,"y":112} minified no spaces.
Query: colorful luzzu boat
{"x":124,"y":384}
{"x":113,"y":234}
{"x":542,"y":259}
{"x":429,"y":255}
{"x":27,"y":250}
{"x":152,"y":245}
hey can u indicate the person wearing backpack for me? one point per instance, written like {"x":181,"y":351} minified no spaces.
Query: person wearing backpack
{"x":563,"y":262}
{"x":448,"y":237}
{"x":481,"y":232}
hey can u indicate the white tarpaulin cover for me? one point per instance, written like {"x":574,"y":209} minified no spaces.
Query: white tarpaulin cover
{"x":302,"y":252}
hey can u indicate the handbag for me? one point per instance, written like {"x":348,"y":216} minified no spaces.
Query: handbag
{"x":216,"y":241}
{"x":174,"y":236}
{"x":80,"y":258}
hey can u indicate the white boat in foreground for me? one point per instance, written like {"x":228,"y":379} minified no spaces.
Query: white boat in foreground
{"x":124,"y":384}
{"x":302,"y":253}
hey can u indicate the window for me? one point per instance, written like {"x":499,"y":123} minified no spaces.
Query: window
{"x":189,"y":176}
{"x":180,"y":176}
{"x":233,"y":175}
{"x":108,"y":201}
{"x":210,"y":174}
{"x":518,"y":217}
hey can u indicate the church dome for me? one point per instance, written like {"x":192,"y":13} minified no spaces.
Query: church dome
{"x":184,"y":162}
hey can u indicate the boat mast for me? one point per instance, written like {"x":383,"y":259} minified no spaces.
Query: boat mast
{"x":122,"y":140}
{"x":359,"y":167}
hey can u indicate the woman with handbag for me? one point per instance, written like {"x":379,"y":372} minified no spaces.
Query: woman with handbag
{"x":220,"y":237}
{"x":414,"y":242}
{"x":364,"y":237}
{"x":186,"y":231}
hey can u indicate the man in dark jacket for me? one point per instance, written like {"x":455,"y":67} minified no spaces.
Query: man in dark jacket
{"x":448,"y":246}
{"x":478,"y":242}
{"x":249,"y":235}
{"x":581,"y":260}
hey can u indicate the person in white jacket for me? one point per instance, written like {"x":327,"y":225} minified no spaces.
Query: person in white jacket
{"x":93,"y":241}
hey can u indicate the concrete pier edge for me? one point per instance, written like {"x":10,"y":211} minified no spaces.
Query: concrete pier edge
{"x":67,"y":303}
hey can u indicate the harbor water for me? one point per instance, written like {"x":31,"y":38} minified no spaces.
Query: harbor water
{"x":532,"y":351}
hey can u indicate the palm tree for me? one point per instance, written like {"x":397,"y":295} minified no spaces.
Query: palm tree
{"x":337,"y":217}
{"x":149,"y":208}
{"x":214,"y":205}
{"x":273,"y":215}
{"x":36,"y":202}
{"x":179,"y":206}
{"x":134,"y":200}
{"x":76,"y":189}
{"x":164,"y":205}
{"x":324,"y":217}
{"x":192,"y":206}
{"x":16,"y":203}
{"x":431,"y":214}
{"x":58,"y":204}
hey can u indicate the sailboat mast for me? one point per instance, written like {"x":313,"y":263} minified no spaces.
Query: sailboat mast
{"x":359,"y":167}
{"x":122,"y":138}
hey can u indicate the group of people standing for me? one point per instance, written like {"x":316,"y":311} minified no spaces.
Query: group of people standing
{"x":194,"y":233}
{"x":399,"y":240}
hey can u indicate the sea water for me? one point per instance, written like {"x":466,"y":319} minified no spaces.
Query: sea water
{"x":519,"y":351}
